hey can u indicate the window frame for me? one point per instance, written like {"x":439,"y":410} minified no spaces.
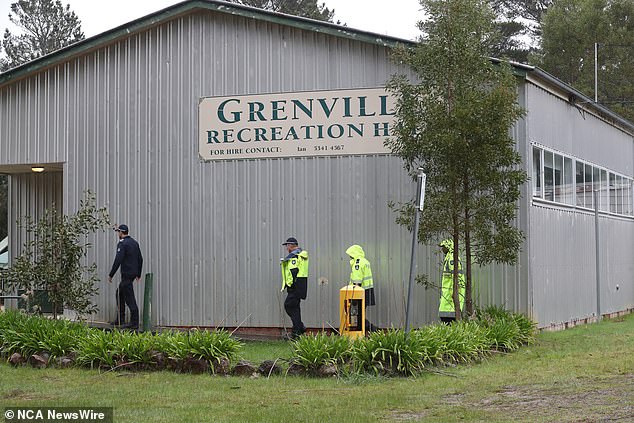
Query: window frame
{"x":626,"y":181}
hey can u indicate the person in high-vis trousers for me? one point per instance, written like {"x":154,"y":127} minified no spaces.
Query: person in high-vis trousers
{"x":446,"y":310}
{"x":295,"y":281}
{"x":361,"y":275}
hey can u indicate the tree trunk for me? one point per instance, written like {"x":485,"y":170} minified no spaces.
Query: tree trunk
{"x":467,"y":246}
{"x":456,"y":284}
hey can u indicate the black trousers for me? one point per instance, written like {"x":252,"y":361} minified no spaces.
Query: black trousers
{"x":292,"y":307}
{"x":447,"y":320}
{"x":126,"y":297}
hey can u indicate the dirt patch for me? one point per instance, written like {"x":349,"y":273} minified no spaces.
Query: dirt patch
{"x":584,"y":400}
{"x":19,"y":394}
{"x":403,"y":416}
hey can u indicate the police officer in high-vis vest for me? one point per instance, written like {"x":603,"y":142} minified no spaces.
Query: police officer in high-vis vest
{"x":295,"y":281}
{"x":446,"y":311}
{"x":361,"y":275}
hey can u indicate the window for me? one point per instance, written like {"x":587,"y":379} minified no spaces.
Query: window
{"x":565,"y":180}
{"x":619,"y":194}
{"x":612,"y":188}
{"x":604,"y":194}
{"x":629,"y":209}
{"x":568,"y":187}
{"x":537,"y":173}
{"x":549,"y":178}
{"x":596,"y":184}
{"x":580,"y":184}
{"x":589,"y":187}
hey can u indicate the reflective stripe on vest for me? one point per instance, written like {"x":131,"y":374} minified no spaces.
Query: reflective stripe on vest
{"x":361,"y":273}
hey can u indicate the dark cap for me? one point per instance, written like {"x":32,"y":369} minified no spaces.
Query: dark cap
{"x":291,"y":240}
{"x":122,"y":228}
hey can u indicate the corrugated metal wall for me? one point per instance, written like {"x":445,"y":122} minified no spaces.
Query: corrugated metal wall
{"x":562,"y":240}
{"x":124,"y":121}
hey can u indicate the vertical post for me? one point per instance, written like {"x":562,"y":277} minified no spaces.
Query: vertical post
{"x":597,"y":251}
{"x":147,"y":302}
{"x":596,"y":72}
{"x":412,"y":263}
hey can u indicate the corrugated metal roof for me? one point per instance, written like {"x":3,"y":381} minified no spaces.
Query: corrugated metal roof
{"x":187,"y":7}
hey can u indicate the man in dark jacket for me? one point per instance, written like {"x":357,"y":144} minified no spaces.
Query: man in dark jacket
{"x":130,"y":260}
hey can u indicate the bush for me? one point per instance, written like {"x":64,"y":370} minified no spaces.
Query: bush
{"x":314,"y":351}
{"x":391,"y":352}
{"x":505,"y":331}
{"x":29,"y":335}
{"x":203,"y":345}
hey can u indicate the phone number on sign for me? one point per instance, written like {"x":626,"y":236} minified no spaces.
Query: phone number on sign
{"x":331,"y":147}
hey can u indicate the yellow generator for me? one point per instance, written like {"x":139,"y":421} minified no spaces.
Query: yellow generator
{"x":352,"y":311}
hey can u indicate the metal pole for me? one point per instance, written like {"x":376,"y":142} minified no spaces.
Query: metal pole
{"x":147,"y":302}
{"x":596,"y":72}
{"x":412,"y":263}
{"x":597,"y":262}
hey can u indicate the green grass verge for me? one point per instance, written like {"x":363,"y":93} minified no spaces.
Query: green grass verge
{"x":582,"y":374}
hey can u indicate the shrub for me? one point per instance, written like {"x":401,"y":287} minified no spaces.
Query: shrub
{"x":390,"y":352}
{"x":97,"y":349}
{"x":204,"y":345}
{"x":314,"y":351}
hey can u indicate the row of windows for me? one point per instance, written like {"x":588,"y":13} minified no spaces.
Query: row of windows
{"x":570,"y":181}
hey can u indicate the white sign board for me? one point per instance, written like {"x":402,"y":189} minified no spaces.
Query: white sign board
{"x":317,"y":123}
{"x":422,"y":191}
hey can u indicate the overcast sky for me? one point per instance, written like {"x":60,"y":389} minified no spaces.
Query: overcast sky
{"x":396,"y":17}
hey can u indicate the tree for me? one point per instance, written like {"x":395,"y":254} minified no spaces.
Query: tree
{"x":570,"y":30}
{"x":52,"y":258}
{"x":454,"y":123}
{"x":47,"y":26}
{"x":519,"y":24}
{"x":306,"y":8}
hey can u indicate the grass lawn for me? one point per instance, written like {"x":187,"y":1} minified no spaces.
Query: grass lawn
{"x":581,"y":375}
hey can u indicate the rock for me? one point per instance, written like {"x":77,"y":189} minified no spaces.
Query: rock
{"x":174,"y":364}
{"x":158,"y":359}
{"x":296,"y":370}
{"x":38,"y":361}
{"x":16,"y":359}
{"x":221,"y":367}
{"x":244,"y":368}
{"x":326,"y":370}
{"x":269,"y":367}
{"x":64,"y":362}
{"x":195,"y":366}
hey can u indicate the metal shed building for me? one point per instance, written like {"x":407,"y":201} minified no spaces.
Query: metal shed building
{"x":119,"y":114}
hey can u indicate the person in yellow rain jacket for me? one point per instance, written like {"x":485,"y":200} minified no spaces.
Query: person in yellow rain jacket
{"x":446,"y":310}
{"x":361,"y":275}
{"x":295,"y":281}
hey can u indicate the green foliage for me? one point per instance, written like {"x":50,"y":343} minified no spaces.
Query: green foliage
{"x":313,"y":351}
{"x":204,"y":345}
{"x":516,"y":21}
{"x":395,"y":352}
{"x":53,"y":255}
{"x":454,"y":123}
{"x":570,"y":29}
{"x":505,"y":331}
{"x":46,"y":26}
{"x":306,"y":8}
{"x":28,"y":334}
{"x":389,"y":352}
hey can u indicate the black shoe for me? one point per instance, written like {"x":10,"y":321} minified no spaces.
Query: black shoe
{"x":132,"y":326}
{"x":114,"y":323}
